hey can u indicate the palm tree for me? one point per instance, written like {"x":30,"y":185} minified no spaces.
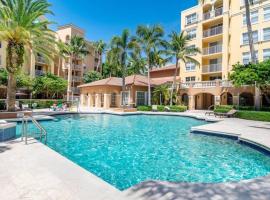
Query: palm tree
{"x":122,"y":46}
{"x":158,"y":59}
{"x":62,"y":51}
{"x":24,"y":31}
{"x":161,"y":94}
{"x":100,"y":47}
{"x":77,"y":49}
{"x":178,"y":48}
{"x":250,"y":32}
{"x":150,"y":38}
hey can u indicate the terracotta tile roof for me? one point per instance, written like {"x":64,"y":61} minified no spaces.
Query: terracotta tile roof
{"x":168,"y":67}
{"x":113,"y":81}
{"x":164,"y":80}
{"x":137,"y":80}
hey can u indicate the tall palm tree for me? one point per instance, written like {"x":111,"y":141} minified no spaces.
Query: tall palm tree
{"x":100,"y":47}
{"x":24,"y":31}
{"x":123,"y":45}
{"x":150,"y":38}
{"x":62,"y":51}
{"x":250,"y":32}
{"x":77,"y":49}
{"x":178,"y":48}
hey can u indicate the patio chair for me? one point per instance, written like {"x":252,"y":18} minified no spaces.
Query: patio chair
{"x":154,"y":108}
{"x":25,"y":107}
{"x":229,"y":114}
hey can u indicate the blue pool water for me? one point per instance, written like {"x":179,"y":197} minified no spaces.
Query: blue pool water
{"x":127,"y":150}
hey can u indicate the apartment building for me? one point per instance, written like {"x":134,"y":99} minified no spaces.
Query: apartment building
{"x":38,"y":66}
{"x":218,"y":28}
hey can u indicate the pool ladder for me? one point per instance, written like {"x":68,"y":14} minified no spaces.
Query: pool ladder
{"x":25,"y":132}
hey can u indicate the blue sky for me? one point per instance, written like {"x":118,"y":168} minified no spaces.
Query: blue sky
{"x":102,"y":19}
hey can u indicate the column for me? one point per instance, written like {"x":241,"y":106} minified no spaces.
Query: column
{"x":236,"y":100}
{"x":89,"y":101}
{"x":107,"y":101}
{"x":191,"y":102}
{"x":217,"y":100}
{"x":98,"y":100}
{"x":82,"y":100}
{"x":32,"y":64}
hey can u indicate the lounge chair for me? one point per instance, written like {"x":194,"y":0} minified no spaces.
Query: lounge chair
{"x":154,"y":108}
{"x":167,"y":109}
{"x":229,"y":114}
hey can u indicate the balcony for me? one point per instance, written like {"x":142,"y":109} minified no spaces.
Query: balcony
{"x":76,"y":78}
{"x":212,"y":14}
{"x":213,"y":31}
{"x":40,"y":59}
{"x":212,"y":68}
{"x":75,"y":90}
{"x":206,"y":84}
{"x":39,"y":72}
{"x":212,"y":50}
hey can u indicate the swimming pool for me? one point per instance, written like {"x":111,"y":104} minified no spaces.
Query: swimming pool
{"x":127,"y":150}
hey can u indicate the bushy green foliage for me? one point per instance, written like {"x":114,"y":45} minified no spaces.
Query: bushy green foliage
{"x":254,"y":115}
{"x":3,"y":77}
{"x":92,"y":76}
{"x":161,"y":108}
{"x":178,"y":108}
{"x":144,"y":108}
{"x":223,"y":108}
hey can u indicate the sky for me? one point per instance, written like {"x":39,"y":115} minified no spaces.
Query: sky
{"x":103,"y":19}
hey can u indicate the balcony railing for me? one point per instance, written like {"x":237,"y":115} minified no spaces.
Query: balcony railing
{"x":77,"y":78}
{"x":212,"y":14}
{"x":212,"y":68}
{"x":40,"y":59}
{"x":39,"y":72}
{"x":206,"y":84}
{"x":213,"y":31}
{"x":212,"y":50}
{"x":75,"y":90}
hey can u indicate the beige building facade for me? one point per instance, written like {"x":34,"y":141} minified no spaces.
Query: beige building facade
{"x":218,"y":29}
{"x":36,"y":65}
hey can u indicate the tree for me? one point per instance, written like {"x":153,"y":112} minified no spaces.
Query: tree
{"x":3,"y":77}
{"x":150,"y":38}
{"x":136,"y":63}
{"x":50,"y":85}
{"x":250,"y":32}
{"x":62,"y":51}
{"x":92,"y":76}
{"x":252,"y":74}
{"x":100,"y":47}
{"x":178,"y":48}
{"x":121,"y":48}
{"x":22,"y":29}
{"x":161,"y":94}
{"x":24,"y":81}
{"x":77,"y":49}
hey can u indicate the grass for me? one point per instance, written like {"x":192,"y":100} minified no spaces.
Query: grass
{"x":254,"y":115}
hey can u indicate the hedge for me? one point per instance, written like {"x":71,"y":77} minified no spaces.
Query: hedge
{"x":254,"y":115}
{"x":161,"y":108}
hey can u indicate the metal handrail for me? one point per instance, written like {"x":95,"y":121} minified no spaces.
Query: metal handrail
{"x":43,"y":132}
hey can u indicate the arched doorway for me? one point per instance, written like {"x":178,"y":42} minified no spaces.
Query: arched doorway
{"x":226,"y":98}
{"x":246,"y":99}
{"x":204,"y":100}
{"x":184,"y":99}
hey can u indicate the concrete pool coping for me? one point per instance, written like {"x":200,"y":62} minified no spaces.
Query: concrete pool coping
{"x":21,"y":164}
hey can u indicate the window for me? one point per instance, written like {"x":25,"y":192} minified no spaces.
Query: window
{"x":190,"y":48}
{"x":266,"y":54}
{"x":254,"y":18}
{"x":190,"y":79}
{"x":266,"y":34}
{"x":245,"y":37}
{"x":191,"y":19}
{"x":190,"y":66}
{"x":266,"y":14}
{"x":247,"y":57}
{"x":125,"y":98}
{"x":192,"y":33}
{"x":141,"y":98}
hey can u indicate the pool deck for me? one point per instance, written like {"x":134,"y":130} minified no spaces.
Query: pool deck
{"x":36,"y":172}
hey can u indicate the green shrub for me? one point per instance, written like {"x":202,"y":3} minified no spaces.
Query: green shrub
{"x":250,"y":108}
{"x":178,"y":108}
{"x":223,"y":108}
{"x":144,"y":108}
{"x":267,"y":109}
{"x":254,"y":115}
{"x":2,"y":105}
{"x":161,"y":108}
